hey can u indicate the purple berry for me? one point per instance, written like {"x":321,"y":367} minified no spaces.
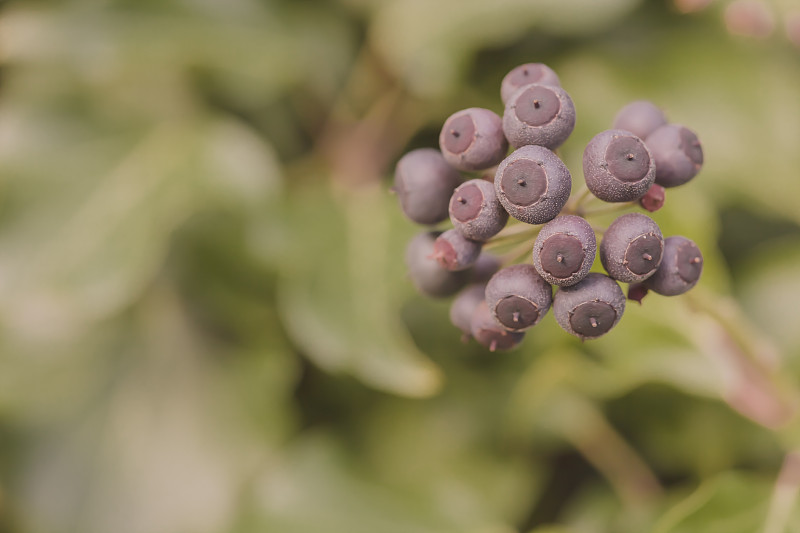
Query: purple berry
{"x":475,"y":210}
{"x":680,"y":268}
{"x":533,"y":184}
{"x":677,"y":152}
{"x":485,"y":267}
{"x":543,"y":115}
{"x":617,"y":166}
{"x":464,"y":305}
{"x":564,"y":250}
{"x":454,"y":251}
{"x":518,"y":297}
{"x":654,"y":198}
{"x":640,"y":118}
{"x":632,"y":248}
{"x":489,"y":333}
{"x":589,"y":308}
{"x":525,"y":75}
{"x":425,"y":271}
{"x":472,"y":139}
{"x":424,"y":183}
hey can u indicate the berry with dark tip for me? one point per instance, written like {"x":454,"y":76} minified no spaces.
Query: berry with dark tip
{"x":640,"y":118}
{"x":472,"y":139}
{"x":543,"y":115}
{"x":654,"y":198}
{"x":525,"y":75}
{"x":475,"y":210}
{"x":425,"y":271}
{"x":518,"y":297}
{"x":424,"y":183}
{"x":632,"y":248}
{"x":454,"y":251}
{"x":533,"y":184}
{"x":589,"y":308}
{"x":677,"y":152}
{"x":564,"y":250}
{"x":464,"y":305}
{"x":485,"y":267}
{"x":489,"y":333}
{"x":680,"y":268}
{"x":618,"y":167}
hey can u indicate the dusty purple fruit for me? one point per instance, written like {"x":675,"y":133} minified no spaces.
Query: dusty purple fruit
{"x":680,"y":268}
{"x":589,"y":308}
{"x":632,"y":248}
{"x":617,"y":166}
{"x":489,"y":333}
{"x":424,"y":183}
{"x":543,"y":115}
{"x":485,"y":267}
{"x":518,"y":297}
{"x":677,"y":152}
{"x":475,"y":210}
{"x":454,"y":251}
{"x":641,"y":118}
{"x":525,"y":75}
{"x":533,"y":184}
{"x":464,"y":305}
{"x":564,"y":250}
{"x":654,"y":198}
{"x":425,"y":271}
{"x":472,"y":139}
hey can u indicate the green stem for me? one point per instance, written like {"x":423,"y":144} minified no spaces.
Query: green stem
{"x":784,"y":496}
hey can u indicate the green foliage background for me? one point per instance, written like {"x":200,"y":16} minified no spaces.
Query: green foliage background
{"x":205,"y":324}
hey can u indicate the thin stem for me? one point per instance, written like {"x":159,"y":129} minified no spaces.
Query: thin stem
{"x":516,"y":253}
{"x":613,"y":208}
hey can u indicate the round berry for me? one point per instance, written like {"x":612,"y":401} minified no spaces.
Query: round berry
{"x":543,"y":115}
{"x":632,"y":248}
{"x":464,"y":305}
{"x":677,"y":153}
{"x":518,"y":297}
{"x":617,"y":166}
{"x":475,"y":210}
{"x":589,"y":308}
{"x":525,"y":75}
{"x":680,"y":268}
{"x":489,"y":333}
{"x":424,"y":183}
{"x":425,"y":271}
{"x":654,"y":198}
{"x":533,"y":184}
{"x":640,"y":118}
{"x":472,"y":139}
{"x":454,"y":251}
{"x":485,"y":267}
{"x":564,"y":250}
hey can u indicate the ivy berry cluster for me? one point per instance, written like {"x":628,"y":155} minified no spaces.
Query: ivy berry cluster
{"x":497,"y":300}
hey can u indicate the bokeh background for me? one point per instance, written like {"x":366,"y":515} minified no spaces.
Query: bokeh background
{"x":205,"y":321}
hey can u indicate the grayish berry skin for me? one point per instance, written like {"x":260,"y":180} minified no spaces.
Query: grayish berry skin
{"x":424,"y":183}
{"x":533,"y":184}
{"x":518,"y":297}
{"x":618,"y":166}
{"x":590,"y":308}
{"x":564,"y":250}
{"x":632,"y":248}
{"x":454,"y":251}
{"x":475,"y":210}
{"x":472,"y":139}
{"x":485,"y":267}
{"x":464,"y":305}
{"x":489,"y":333}
{"x":641,"y":118}
{"x":680,"y":268}
{"x":525,"y":75}
{"x":543,"y":115}
{"x":425,"y":271}
{"x":677,"y":152}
